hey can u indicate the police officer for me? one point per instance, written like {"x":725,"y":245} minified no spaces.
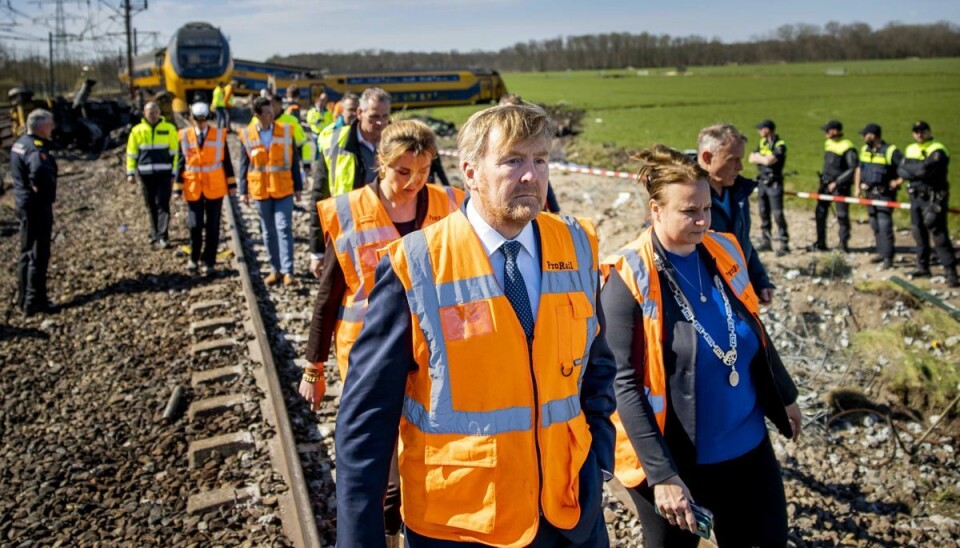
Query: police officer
{"x":770,"y":157}
{"x":877,"y":179}
{"x":152,"y":153}
{"x":35,"y":189}
{"x":219,"y":104}
{"x":925,"y":167}
{"x":839,"y":166}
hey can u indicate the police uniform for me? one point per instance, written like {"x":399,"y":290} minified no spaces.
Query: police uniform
{"x":35,"y":189}
{"x":152,"y":154}
{"x":839,"y":165}
{"x":878,"y":169}
{"x":925,"y":168}
{"x":770,"y":193}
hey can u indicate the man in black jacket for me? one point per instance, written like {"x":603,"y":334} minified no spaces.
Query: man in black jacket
{"x":840,"y":163}
{"x":35,"y":189}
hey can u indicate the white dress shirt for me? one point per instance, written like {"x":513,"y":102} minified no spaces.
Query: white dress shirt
{"x":528,"y":260}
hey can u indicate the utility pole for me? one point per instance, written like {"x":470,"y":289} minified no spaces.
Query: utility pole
{"x":53,"y":81}
{"x":126,"y":22}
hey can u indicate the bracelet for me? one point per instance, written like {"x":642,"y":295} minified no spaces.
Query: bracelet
{"x":310,"y":378}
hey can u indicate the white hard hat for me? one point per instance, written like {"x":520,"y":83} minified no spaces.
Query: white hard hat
{"x":200,"y":110}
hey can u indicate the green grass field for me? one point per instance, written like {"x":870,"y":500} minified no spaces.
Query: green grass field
{"x":629,"y":110}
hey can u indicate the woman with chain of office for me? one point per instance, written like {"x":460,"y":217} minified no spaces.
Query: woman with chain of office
{"x":696,"y":373}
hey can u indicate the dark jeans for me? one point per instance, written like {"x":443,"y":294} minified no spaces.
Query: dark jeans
{"x":745,"y":495}
{"x":204,"y":215}
{"x":223,"y":118}
{"x":928,"y":215}
{"x":36,"y":230}
{"x":156,"y":193}
{"x":843,"y":217}
{"x":770,"y":199}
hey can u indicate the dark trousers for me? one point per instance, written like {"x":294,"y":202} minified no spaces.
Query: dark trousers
{"x":770,"y":198}
{"x":881,"y":221}
{"x":223,"y":118}
{"x":36,"y":230}
{"x":547,"y":536}
{"x":843,"y":218}
{"x":204,"y":215}
{"x":745,"y":495}
{"x":156,"y":194}
{"x":928,"y":215}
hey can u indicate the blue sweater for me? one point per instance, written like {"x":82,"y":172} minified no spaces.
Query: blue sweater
{"x":729,"y":418}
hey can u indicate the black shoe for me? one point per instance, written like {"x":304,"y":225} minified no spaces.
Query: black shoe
{"x":920,"y":272}
{"x":953,"y":282}
{"x":783,"y":251}
{"x":887,"y":264}
{"x":162,"y":243}
{"x":765,"y":246}
{"x":844,"y":247}
{"x":45,"y":308}
{"x":877,"y":259}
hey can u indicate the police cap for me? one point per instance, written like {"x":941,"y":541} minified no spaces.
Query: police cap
{"x":920,"y":125}
{"x":768,"y":124}
{"x":871,"y":128}
{"x":832,"y":124}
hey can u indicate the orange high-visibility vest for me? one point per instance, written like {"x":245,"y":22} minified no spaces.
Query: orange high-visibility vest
{"x":358,"y":226}
{"x":636,"y":266}
{"x":486,"y":417}
{"x":203,"y":171}
{"x":269,"y":175}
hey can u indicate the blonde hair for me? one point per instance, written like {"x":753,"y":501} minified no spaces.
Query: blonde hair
{"x":405,"y":136}
{"x":662,"y":166}
{"x":517,"y":124}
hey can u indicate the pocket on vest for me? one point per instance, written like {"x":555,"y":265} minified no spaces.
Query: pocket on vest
{"x":572,"y":332}
{"x":461,"y":481}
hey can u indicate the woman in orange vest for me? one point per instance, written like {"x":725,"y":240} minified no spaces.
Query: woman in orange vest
{"x":696,"y":373}
{"x":204,"y":177}
{"x":358,"y":224}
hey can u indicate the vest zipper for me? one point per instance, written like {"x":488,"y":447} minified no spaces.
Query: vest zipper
{"x":536,"y":426}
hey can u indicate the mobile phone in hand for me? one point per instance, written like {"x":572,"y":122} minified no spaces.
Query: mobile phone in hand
{"x":703,"y":517}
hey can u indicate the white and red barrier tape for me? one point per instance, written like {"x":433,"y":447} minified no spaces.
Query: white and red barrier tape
{"x":808,"y":195}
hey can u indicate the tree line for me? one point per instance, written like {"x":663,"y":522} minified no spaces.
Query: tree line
{"x":789,"y":43}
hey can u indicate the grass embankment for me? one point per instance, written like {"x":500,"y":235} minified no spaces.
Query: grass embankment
{"x":634,"y":108}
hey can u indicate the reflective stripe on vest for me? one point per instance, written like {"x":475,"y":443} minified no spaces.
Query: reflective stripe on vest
{"x":493,"y":437}
{"x":203,"y":166}
{"x":265,"y":178}
{"x":920,"y":151}
{"x":837,"y":146}
{"x":875,"y":166}
{"x":636,"y":265}
{"x":358,"y":227}
{"x":426,"y":299}
{"x":766,"y":149}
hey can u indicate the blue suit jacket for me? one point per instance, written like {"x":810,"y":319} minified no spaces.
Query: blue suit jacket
{"x":372,"y":401}
{"x":738,"y":224}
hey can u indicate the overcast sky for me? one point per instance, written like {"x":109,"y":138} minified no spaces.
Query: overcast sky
{"x":260,"y":28}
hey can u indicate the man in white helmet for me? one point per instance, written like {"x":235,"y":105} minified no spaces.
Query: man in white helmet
{"x":204,"y":177}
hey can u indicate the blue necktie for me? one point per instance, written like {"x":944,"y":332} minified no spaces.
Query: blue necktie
{"x":515,"y":288}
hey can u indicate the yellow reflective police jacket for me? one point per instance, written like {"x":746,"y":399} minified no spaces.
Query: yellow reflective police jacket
{"x":492,"y":430}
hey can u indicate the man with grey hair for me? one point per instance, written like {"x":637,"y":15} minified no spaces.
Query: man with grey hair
{"x":35,"y":189}
{"x":720,"y":150}
{"x":347,"y":161}
{"x":152,"y":150}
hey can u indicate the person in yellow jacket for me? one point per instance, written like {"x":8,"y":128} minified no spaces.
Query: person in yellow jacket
{"x":270,"y":175}
{"x":696,"y":372}
{"x":319,"y":116}
{"x":347,"y":160}
{"x":357,"y":225}
{"x":152,"y":150}
{"x":483,"y":341}
{"x":219,"y":104}
{"x":204,"y":177}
